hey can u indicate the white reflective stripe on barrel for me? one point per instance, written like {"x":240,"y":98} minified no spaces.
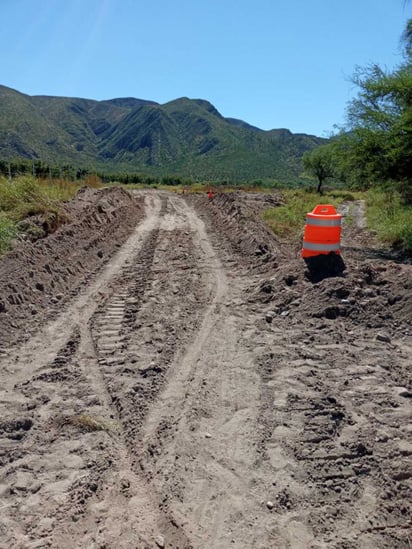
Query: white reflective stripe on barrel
{"x":321,"y":247}
{"x":323,"y":222}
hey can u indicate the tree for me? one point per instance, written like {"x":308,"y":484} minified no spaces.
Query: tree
{"x":377,"y":143}
{"x":319,"y":164}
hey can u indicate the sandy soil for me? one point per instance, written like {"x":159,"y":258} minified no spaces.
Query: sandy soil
{"x":184,"y":384}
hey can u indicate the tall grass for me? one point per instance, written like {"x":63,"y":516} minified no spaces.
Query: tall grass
{"x":8,"y":231}
{"x":288,"y":219}
{"x":389,"y":218}
{"x":24,"y":197}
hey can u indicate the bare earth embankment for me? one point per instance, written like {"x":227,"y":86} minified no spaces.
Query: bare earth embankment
{"x":169,"y":377}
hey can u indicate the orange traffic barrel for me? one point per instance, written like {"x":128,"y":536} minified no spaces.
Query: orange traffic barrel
{"x":322,"y":231}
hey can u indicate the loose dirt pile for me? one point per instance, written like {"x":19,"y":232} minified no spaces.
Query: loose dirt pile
{"x":36,"y":278}
{"x":373,"y":295}
{"x":236,"y":216}
{"x":199,"y":390}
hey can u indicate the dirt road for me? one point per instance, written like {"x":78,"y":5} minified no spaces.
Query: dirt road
{"x":199,"y":391}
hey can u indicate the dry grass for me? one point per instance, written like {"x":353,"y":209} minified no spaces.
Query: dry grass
{"x":25,"y":197}
{"x":88,"y":423}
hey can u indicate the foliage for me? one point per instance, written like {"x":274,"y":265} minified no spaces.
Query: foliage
{"x":26,"y":196}
{"x":8,"y":231}
{"x":377,"y":143}
{"x":169,"y":180}
{"x":41,"y":169}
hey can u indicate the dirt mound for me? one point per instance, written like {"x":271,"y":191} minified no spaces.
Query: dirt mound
{"x":374,"y":295}
{"x":236,"y":216}
{"x":37,"y":277}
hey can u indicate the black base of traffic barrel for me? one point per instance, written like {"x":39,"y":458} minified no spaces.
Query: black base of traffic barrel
{"x":324,"y":266}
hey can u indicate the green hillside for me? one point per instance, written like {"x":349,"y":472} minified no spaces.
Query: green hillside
{"x":186,"y":137}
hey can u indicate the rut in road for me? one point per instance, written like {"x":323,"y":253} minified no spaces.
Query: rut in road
{"x":198,"y":440}
{"x":76,"y":456}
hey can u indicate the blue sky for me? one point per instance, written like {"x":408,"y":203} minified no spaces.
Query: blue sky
{"x":272,"y":63}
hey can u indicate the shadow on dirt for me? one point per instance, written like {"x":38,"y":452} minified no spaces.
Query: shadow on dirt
{"x":324,"y":266}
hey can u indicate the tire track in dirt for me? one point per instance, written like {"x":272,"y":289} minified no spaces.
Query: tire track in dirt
{"x":76,"y":494}
{"x":335,"y":432}
{"x":46,"y":344}
{"x":199,"y":440}
{"x":161,"y":320}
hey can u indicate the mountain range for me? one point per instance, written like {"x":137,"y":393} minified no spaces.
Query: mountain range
{"x":185,"y":137}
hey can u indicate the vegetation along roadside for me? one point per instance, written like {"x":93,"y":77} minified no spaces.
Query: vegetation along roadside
{"x":32,"y":207}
